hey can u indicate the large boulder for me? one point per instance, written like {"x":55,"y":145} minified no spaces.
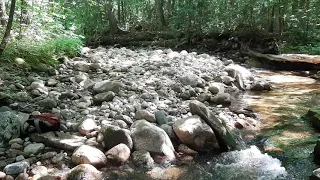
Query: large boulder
{"x":224,"y":137}
{"x":105,"y":86}
{"x":83,"y":172}
{"x":9,"y":126}
{"x":89,"y":155}
{"x":195,"y":133}
{"x":149,"y":137}
{"x":113,"y":135}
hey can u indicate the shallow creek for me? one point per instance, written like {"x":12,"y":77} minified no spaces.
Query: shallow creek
{"x":282,"y":147}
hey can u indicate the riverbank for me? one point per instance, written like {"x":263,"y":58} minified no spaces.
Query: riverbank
{"x":101,"y":94}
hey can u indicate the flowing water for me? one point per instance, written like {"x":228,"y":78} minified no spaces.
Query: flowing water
{"x":284,"y":136}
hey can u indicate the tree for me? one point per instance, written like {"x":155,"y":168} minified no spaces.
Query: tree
{"x":3,"y":14}
{"x":160,"y":13}
{"x":6,"y":35}
{"x":113,"y":23}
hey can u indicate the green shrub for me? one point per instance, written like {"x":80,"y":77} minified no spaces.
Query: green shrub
{"x":42,"y":52}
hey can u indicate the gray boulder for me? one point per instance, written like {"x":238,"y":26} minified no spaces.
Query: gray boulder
{"x":143,"y":114}
{"x":223,"y":98}
{"x":224,"y":137}
{"x":113,"y":135}
{"x":101,"y":97}
{"x":9,"y":126}
{"x":190,"y":79}
{"x":195,"y":133}
{"x":149,"y":137}
{"x":89,"y":155}
{"x":216,"y":88}
{"x":142,"y":159}
{"x":105,"y":86}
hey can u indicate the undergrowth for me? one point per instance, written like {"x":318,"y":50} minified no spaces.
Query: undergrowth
{"x":45,"y":52}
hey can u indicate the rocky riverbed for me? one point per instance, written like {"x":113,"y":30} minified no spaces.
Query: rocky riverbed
{"x":124,"y":110}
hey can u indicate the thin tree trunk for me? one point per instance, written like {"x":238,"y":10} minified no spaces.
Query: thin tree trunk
{"x":6,"y":36}
{"x":3,"y":14}
{"x":160,"y":13}
{"x":113,"y":23}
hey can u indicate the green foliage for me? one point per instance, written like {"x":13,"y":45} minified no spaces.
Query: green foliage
{"x":36,"y":53}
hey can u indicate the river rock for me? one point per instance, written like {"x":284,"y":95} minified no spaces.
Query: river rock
{"x":260,"y":86}
{"x":186,"y":150}
{"x":81,"y":66}
{"x":142,"y":159}
{"x":101,"y":97}
{"x":118,"y":155}
{"x":63,"y":140}
{"x":144,"y":114}
{"x":216,"y":88}
{"x":113,"y":135}
{"x":16,"y":168}
{"x":9,"y":126}
{"x":161,"y":117}
{"x":149,"y":137}
{"x":42,"y":170}
{"x":190,"y":79}
{"x":195,"y":133}
{"x":223,"y":98}
{"x":34,"y":148}
{"x":87,"y":126}
{"x":47,"y":103}
{"x":2,"y":175}
{"x":106,"y":86}
{"x":224,"y":137}
{"x":89,"y":155}
{"x":84,"y":172}
{"x":313,"y":116}
{"x":22,"y":176}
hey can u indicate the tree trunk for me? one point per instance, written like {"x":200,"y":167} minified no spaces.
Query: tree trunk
{"x":160,"y":13}
{"x":113,"y":23}
{"x":6,"y":35}
{"x":3,"y":14}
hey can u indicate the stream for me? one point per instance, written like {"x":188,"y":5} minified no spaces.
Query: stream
{"x":282,"y":135}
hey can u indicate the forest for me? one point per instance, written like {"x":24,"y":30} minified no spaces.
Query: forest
{"x":159,"y":89}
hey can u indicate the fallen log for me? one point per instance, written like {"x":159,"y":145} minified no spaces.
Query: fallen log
{"x":287,"y":61}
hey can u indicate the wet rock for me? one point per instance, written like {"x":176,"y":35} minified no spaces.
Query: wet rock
{"x":88,"y":155}
{"x":59,"y":140}
{"x":195,"y":133}
{"x":34,"y":148}
{"x":144,"y":114}
{"x":113,"y":135}
{"x":16,"y":168}
{"x":224,"y":137}
{"x":313,"y":116}
{"x":48,"y":155}
{"x":16,"y":140}
{"x":118,"y":155}
{"x":9,"y":126}
{"x":106,"y":86}
{"x":223,"y":98}
{"x":142,"y":159}
{"x":260,"y":86}
{"x":167,"y":173}
{"x":101,"y":97}
{"x":87,"y":126}
{"x":149,"y":137}
{"x":83,"y":172}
